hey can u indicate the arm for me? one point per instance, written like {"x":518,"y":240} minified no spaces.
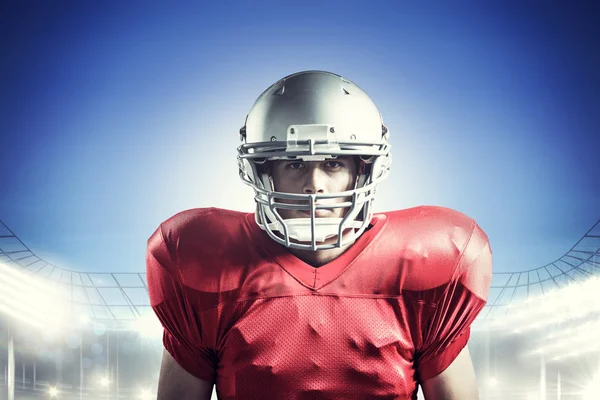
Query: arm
{"x":188,"y":367}
{"x":176,"y":383}
{"x":457,"y":382}
{"x":444,"y":364}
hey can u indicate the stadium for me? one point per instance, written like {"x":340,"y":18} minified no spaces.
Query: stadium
{"x":76,"y":335}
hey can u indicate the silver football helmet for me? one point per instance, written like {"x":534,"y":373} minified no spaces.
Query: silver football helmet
{"x":314,"y":116}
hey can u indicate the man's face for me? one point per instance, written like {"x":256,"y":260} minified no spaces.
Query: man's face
{"x":314,"y":177}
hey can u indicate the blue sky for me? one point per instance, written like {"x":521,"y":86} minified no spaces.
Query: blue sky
{"x":114,"y":117}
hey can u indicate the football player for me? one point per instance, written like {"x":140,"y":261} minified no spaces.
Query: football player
{"x":315,"y":296}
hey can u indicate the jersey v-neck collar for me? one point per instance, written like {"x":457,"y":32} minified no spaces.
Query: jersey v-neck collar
{"x":309,"y":276}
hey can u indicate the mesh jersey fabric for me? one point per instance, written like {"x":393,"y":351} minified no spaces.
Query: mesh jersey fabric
{"x":241,"y":311}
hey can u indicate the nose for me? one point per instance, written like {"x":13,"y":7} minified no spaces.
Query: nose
{"x":314,"y":180}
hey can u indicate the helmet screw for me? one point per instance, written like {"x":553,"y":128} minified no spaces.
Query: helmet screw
{"x":292,"y":131}
{"x":273,"y":139}
{"x":331,"y":129}
{"x":353,"y":136}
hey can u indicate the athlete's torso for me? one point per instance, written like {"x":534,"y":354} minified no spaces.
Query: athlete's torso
{"x":359,"y":327}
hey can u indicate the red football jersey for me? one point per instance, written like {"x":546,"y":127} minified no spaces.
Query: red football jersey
{"x":239,"y":310}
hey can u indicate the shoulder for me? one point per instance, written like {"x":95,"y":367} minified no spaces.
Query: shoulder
{"x":435,"y":244}
{"x":201,"y":223}
{"x":198,"y":227}
{"x":428,"y":220}
{"x":431,"y":228}
{"x":198,"y":245}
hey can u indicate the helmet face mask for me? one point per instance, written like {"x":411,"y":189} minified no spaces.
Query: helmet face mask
{"x":314,"y":116}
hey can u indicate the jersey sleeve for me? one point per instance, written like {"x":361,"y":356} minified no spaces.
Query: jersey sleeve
{"x":182,"y":337}
{"x":454,"y":306}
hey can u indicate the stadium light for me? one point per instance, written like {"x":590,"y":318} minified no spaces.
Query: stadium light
{"x":146,"y":395}
{"x":104,"y":382}
{"x":53,"y":391}
{"x":32,"y":300}
{"x":566,"y":343}
{"x":592,"y":389}
{"x":148,"y":326}
{"x":492,"y":382}
{"x":560,"y":320}
{"x":575,"y":301}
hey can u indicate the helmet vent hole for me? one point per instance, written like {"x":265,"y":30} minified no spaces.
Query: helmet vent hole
{"x":280,"y":91}
{"x":345,"y":91}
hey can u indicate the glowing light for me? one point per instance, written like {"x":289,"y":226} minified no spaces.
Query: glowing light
{"x":492,"y":382}
{"x":104,"y":382}
{"x":563,"y":342}
{"x":592,"y":389}
{"x":539,"y":312}
{"x":148,"y":326}
{"x":53,"y":391}
{"x":532,"y":396}
{"x":559,"y":320}
{"x":33,"y":300}
{"x":146,"y":395}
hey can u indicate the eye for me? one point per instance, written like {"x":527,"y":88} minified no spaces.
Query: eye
{"x":294,"y":165}
{"x":334,"y":164}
